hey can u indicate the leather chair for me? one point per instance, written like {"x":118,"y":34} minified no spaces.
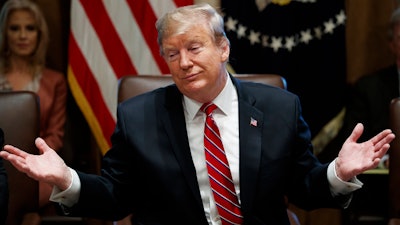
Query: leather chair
{"x":19,"y":119}
{"x":132,"y":85}
{"x":394,"y":164}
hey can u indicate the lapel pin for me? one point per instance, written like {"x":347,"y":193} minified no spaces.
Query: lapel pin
{"x":253,"y":122}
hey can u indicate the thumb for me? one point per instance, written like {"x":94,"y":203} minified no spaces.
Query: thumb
{"x":357,"y":132}
{"x":42,"y":145}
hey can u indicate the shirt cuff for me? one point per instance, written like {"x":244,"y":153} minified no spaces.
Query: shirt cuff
{"x":337,"y":185}
{"x":70,"y":196}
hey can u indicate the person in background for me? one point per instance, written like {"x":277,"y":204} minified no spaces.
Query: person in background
{"x":165,"y":164}
{"x":4,"y":194}
{"x":24,"y":39}
{"x":370,"y":96}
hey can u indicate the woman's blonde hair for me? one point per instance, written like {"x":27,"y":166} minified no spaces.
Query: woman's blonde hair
{"x":38,"y":58}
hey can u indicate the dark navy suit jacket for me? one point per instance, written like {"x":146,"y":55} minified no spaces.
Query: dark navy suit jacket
{"x":149,"y":170}
{"x":370,"y":100}
{"x":4,"y":194}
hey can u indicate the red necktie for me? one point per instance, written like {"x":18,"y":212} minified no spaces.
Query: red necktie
{"x":219,"y":173}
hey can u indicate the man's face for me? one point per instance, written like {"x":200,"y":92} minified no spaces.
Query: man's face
{"x":196,"y":62}
{"x":22,"y":33}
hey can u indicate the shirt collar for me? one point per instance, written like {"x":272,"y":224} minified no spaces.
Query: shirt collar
{"x":223,"y":101}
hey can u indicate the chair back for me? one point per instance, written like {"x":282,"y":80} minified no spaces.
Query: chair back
{"x":19,"y":119}
{"x":394,"y":160}
{"x":132,"y":85}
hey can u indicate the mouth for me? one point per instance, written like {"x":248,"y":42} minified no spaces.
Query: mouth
{"x":191,"y":76}
{"x":23,"y":45}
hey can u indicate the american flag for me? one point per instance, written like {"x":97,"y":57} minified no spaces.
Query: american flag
{"x":253,"y":122}
{"x":301,"y":40}
{"x":109,"y":39}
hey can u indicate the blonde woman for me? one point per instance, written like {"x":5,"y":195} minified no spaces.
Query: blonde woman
{"x":23,"y":45}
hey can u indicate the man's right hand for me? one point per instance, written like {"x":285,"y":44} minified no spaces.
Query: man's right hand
{"x":47,"y":167}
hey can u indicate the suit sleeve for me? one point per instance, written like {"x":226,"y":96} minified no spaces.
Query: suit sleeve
{"x":3,"y":193}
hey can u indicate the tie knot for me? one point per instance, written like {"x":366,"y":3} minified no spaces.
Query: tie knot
{"x":208,"y":108}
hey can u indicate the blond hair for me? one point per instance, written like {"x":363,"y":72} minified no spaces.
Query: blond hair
{"x":38,"y":58}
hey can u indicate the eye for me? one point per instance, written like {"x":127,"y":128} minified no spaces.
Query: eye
{"x":195,"y":48}
{"x":171,"y":55}
{"x":13,"y":27}
{"x":31,"y":28}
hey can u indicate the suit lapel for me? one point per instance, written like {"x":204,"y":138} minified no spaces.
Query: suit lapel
{"x":250,"y":130}
{"x":174,"y":121}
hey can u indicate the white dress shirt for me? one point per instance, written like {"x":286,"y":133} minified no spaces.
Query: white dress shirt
{"x":227,"y":119}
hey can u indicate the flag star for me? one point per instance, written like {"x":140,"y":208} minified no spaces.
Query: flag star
{"x":262,"y":4}
{"x":231,"y":24}
{"x":241,"y":31}
{"x":276,"y":43}
{"x":289,"y":43}
{"x":341,"y":17}
{"x":254,"y":37}
{"x":305,"y":36}
{"x":329,"y":26}
{"x":318,"y":32}
{"x":264,"y":40}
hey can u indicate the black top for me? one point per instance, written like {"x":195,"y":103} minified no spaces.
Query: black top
{"x":3,"y":186}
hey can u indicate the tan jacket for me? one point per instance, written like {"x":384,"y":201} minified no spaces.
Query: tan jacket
{"x":53,"y":98}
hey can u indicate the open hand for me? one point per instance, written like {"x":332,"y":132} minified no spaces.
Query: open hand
{"x":355,"y":158}
{"x":47,"y":167}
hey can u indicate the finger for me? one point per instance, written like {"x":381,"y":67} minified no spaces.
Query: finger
{"x":4,"y":154}
{"x":42,"y":145}
{"x":380,"y":152}
{"x":384,"y":137}
{"x":357,"y":132}
{"x":17,"y":161}
{"x":375,"y":163}
{"x":14,"y":151}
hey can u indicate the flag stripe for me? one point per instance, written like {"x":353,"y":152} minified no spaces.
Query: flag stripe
{"x":180,"y":3}
{"x":108,"y":40}
{"x":142,"y":11}
{"x":161,"y":7}
{"x":127,"y":28}
{"x":94,"y":55}
{"x":91,"y":104}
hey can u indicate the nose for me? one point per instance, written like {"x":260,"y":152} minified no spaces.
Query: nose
{"x":22,"y":33}
{"x":185,"y":61}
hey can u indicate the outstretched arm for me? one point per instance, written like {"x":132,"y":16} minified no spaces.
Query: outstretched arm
{"x":355,"y":158}
{"x":47,"y":167}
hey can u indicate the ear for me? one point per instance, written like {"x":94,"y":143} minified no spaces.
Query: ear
{"x":225,"y":51}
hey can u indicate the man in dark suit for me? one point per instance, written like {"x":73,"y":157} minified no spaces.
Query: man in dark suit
{"x":370,"y":100}
{"x":157,"y":166}
{"x":370,"y":97}
{"x":4,"y":194}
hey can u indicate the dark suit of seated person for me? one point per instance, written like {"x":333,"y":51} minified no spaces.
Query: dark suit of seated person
{"x":3,"y":186}
{"x":370,"y":96}
{"x":162,"y":166}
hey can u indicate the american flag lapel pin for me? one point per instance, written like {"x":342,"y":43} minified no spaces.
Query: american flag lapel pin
{"x":253,"y":122}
